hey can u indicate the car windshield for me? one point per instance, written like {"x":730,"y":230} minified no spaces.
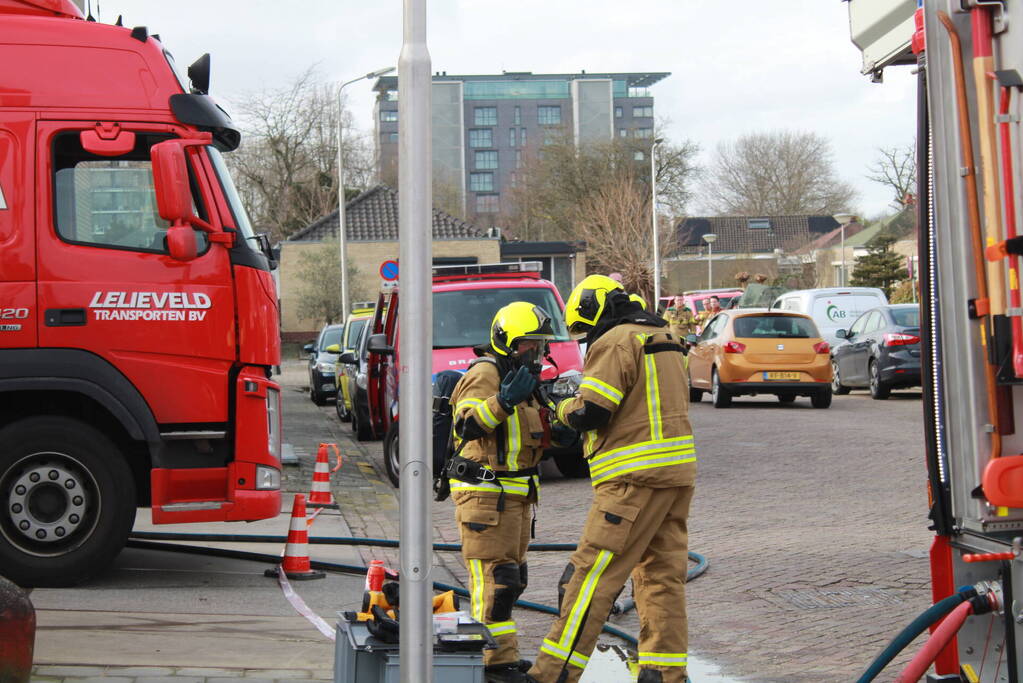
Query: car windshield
{"x":331,"y":336}
{"x":354,"y":329}
{"x":462,"y":317}
{"x":774,"y":326}
{"x":906,"y":317}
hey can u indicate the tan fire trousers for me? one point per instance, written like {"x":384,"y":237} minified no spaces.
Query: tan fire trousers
{"x":630,"y":529}
{"x":494,"y":545}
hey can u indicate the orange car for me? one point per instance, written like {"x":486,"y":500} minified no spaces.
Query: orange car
{"x":750,"y":351}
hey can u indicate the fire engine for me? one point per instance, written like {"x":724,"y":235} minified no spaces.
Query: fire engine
{"x":138,"y":315}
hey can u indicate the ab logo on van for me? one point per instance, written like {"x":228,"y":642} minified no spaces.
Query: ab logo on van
{"x":834,"y":313}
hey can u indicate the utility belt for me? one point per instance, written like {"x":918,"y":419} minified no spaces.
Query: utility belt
{"x":471,"y":472}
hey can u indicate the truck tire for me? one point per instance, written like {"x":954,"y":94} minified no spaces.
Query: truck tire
{"x":392,"y":461}
{"x":572,"y":464}
{"x":67,"y":501}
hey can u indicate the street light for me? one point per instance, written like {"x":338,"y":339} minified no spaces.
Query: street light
{"x":653,"y":220}
{"x":341,"y":237}
{"x":843,"y":220}
{"x":709,"y":239}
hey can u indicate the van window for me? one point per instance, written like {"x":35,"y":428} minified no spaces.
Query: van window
{"x":841,"y":309}
{"x":462,"y":317}
{"x":790,"y":304}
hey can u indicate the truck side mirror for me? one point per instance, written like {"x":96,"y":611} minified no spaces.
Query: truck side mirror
{"x":174,"y":196}
{"x":377,"y":343}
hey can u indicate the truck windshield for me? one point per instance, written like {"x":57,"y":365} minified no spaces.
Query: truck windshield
{"x":241,"y":218}
{"x":462,"y":318}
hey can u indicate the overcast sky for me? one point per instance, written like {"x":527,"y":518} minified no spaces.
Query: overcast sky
{"x":736,"y":67}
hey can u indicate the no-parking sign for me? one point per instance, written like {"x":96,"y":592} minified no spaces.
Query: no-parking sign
{"x":389,"y":270}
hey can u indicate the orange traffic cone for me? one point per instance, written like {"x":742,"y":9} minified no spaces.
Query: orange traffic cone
{"x":320,"y":495}
{"x":296,"y":553}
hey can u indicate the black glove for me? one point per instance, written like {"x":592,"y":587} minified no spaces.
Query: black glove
{"x":515,"y":388}
{"x":563,"y":436}
{"x":382,"y":627}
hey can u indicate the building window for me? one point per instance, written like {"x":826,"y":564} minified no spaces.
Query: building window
{"x":486,"y":203}
{"x":391,"y":96}
{"x":481,"y":137}
{"x":522,"y":137}
{"x":518,"y":116}
{"x":485,"y":116}
{"x":644,"y":132}
{"x":619,"y":112}
{"x":486,"y":160}
{"x":638,"y":92}
{"x":643,"y":112}
{"x":393,"y":137}
{"x":623,"y":132}
{"x":511,"y":137}
{"x":518,"y":159}
{"x":388,"y":115}
{"x":638,"y":155}
{"x":514,"y":179}
{"x":548,"y":116}
{"x":481,"y":182}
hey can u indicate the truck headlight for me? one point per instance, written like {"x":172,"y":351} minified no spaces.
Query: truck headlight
{"x":566,"y":384}
{"x":267,"y":478}
{"x":273,"y":423}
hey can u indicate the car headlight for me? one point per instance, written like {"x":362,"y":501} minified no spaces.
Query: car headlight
{"x":566,"y":384}
{"x":325,"y":367}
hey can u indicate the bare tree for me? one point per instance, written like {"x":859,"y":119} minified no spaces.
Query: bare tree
{"x":615,"y":223}
{"x":895,"y":168}
{"x":318,"y":291}
{"x":286,"y":167}
{"x":557,"y":177}
{"x":775,"y":174}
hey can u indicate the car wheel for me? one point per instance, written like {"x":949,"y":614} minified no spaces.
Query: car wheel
{"x":315,"y":395}
{"x":822,"y":399}
{"x":695,"y":395}
{"x":67,"y":501}
{"x":343,"y":413}
{"x":392,"y":459}
{"x":786,"y":398}
{"x":719,"y":395}
{"x":836,"y":383}
{"x":878,"y":389}
{"x":360,"y":426}
{"x":572,"y":464}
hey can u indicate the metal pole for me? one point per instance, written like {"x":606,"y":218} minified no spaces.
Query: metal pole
{"x":653,"y":220}
{"x":710,"y":265}
{"x":842,"y":283}
{"x":342,"y":241}
{"x":415,"y":318}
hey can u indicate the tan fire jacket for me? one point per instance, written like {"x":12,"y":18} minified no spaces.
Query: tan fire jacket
{"x":518,"y":435}
{"x":636,"y":372}
{"x":682,"y":322}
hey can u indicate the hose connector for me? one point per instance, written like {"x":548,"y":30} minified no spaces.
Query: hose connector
{"x":989,"y":598}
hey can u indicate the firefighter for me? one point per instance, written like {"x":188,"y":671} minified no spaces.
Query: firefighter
{"x":632,"y":409}
{"x":493,"y":478}
{"x":681,"y":319}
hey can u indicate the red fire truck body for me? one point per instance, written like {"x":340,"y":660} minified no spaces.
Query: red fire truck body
{"x":138,"y":315}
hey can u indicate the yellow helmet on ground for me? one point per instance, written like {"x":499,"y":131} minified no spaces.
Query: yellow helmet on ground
{"x":639,"y":300}
{"x":519,"y":320}
{"x":586,"y":302}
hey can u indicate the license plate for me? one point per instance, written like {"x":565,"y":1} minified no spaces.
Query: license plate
{"x":782,"y":375}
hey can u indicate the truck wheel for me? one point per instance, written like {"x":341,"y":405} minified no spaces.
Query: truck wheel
{"x":67,"y":501}
{"x":572,"y":464}
{"x":392,"y":461}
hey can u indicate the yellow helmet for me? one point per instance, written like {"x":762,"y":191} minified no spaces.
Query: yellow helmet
{"x":586,"y":302}
{"x":519,"y":320}
{"x":639,"y":300}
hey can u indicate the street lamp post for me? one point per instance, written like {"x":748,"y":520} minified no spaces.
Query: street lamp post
{"x":341,"y":237}
{"x":653,"y":220}
{"x":843,"y":219}
{"x":709,"y":239}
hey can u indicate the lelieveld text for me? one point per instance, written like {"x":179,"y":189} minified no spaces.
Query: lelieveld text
{"x":157,"y":306}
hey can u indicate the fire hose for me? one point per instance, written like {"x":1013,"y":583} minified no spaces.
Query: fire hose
{"x":149,"y":540}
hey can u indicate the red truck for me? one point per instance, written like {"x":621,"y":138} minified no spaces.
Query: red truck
{"x":465,"y":300}
{"x":138,"y":315}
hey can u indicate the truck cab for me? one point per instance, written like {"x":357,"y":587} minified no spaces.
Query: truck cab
{"x":465,"y":300}
{"x":138,"y":315}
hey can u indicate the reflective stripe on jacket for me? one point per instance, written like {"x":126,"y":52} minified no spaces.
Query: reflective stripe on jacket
{"x":635,"y":372}
{"x":518,"y":434}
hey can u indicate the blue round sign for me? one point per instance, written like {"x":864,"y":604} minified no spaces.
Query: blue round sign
{"x":389,"y":270}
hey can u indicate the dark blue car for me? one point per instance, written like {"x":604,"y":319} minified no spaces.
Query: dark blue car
{"x":880,"y":352}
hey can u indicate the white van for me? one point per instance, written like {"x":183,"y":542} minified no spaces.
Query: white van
{"x":832,"y":308}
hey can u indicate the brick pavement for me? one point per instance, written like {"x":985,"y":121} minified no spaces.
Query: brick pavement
{"x":814,"y":523}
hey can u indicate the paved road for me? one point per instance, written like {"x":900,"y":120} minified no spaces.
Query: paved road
{"x":813,"y":522}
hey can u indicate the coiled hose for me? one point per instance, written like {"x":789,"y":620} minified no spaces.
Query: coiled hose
{"x":146,"y":540}
{"x":927,"y":618}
